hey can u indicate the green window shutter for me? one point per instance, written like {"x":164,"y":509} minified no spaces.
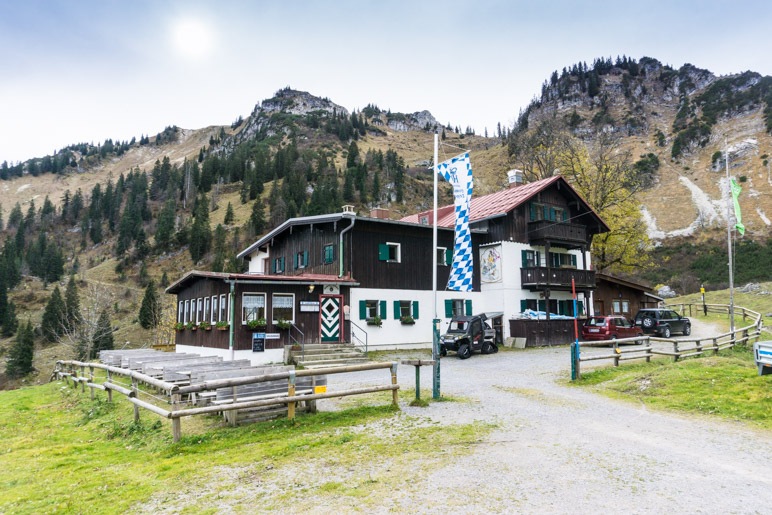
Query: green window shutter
{"x":524,"y":254}
{"x":273,"y":265}
{"x":362,"y":309}
{"x":468,"y":305}
{"x":305,"y":258}
{"x":573,"y":259}
{"x":415,"y":309}
{"x":297,"y":261}
{"x":533,"y":211}
{"x":538,"y":258}
{"x":281,"y":263}
{"x":542,"y":305}
{"x":523,"y":305}
{"x":448,"y":308}
{"x":565,"y":215}
{"x":383,"y":252}
{"x":382,"y":309}
{"x":546,"y":213}
{"x":552,"y":214}
{"x":397,"y":313}
{"x":448,"y":257}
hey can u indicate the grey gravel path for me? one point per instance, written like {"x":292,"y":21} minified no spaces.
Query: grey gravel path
{"x":558,"y":449}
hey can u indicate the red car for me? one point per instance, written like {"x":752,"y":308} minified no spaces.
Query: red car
{"x":609,"y":328}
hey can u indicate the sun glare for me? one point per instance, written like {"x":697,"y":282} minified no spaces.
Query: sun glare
{"x":192,"y":39}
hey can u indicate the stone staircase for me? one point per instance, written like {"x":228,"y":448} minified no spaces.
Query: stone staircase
{"x":327,"y":355}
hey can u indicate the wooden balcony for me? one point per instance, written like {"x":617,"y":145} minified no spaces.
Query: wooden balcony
{"x":542,"y":278}
{"x":557,"y":233}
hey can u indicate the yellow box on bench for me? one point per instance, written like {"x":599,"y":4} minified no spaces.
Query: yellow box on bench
{"x":320,"y":389}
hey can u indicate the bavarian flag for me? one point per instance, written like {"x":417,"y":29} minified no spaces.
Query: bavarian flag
{"x":736,"y":190}
{"x":458,"y":172}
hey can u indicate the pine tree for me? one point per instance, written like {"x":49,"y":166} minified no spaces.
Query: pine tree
{"x":165,"y":227}
{"x":218,"y":265}
{"x":54,"y":319}
{"x":103,"y":336}
{"x":257,"y":218}
{"x":71,"y":305}
{"x":10,"y":322}
{"x":150,"y":310}
{"x":200,"y":232}
{"x":229,"y":216}
{"x":21,"y":354}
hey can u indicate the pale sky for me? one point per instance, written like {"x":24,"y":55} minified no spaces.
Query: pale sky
{"x":87,"y":70}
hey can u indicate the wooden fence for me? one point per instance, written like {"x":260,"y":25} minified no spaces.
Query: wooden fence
{"x":682,"y":347}
{"x":177,"y":396}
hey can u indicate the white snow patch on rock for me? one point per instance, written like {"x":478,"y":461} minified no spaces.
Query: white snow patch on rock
{"x":23,"y":187}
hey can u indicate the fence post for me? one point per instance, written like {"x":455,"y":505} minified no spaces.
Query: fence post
{"x":135,"y":389}
{"x":83,"y":375}
{"x":109,"y":390}
{"x":617,"y":353}
{"x":675,"y":351}
{"x":394,"y":394}
{"x":648,"y":349}
{"x":291,"y":393}
{"x":91,"y":379}
{"x":176,"y":421}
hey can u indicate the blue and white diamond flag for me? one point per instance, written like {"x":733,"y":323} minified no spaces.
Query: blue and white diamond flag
{"x":458,"y":172}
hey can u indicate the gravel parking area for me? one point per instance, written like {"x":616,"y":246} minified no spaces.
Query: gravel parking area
{"x":559,"y":449}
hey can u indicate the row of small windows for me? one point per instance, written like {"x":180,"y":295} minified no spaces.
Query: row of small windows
{"x":203,"y":309}
{"x":532,"y":259}
{"x":544,"y":212}
{"x":369,"y":309}
{"x":560,"y":307}
{"x":300,"y":260}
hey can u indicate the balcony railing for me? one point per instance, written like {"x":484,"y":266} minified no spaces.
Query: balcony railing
{"x":558,"y":232}
{"x":539,"y":278}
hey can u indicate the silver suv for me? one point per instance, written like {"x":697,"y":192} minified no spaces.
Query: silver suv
{"x":662,"y":322}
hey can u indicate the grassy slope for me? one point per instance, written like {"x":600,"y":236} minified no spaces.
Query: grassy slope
{"x":62,"y":452}
{"x":727,"y":385}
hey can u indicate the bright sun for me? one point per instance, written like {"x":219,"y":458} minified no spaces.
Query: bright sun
{"x":192,"y":39}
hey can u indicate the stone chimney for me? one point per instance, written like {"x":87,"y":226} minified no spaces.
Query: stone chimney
{"x":380,"y":213}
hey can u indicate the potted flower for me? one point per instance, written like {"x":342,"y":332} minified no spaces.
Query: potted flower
{"x":283,"y":324}
{"x":376,"y":321}
{"x":257,"y":323}
{"x":205,"y":325}
{"x":222,"y":325}
{"x":407,"y":320}
{"x":179,"y":326}
{"x":191,"y":326}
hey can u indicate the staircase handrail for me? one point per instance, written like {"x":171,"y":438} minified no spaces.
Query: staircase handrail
{"x":358,"y":339}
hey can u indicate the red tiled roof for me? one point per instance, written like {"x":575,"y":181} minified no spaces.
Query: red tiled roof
{"x":487,"y":206}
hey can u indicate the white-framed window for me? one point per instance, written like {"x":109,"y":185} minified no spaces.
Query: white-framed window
{"x":207,"y":309}
{"x":329,"y":253}
{"x":405,"y":308}
{"x":301,"y":260}
{"x":191,"y":310}
{"x":224,"y":313}
{"x":444,"y":258}
{"x":531,"y":259}
{"x":215,"y":311}
{"x":369,"y":309}
{"x":620,"y":306}
{"x":283,"y":307}
{"x":454,"y":307}
{"x":181,"y":312}
{"x":252,"y":307}
{"x":199,"y":310}
{"x":278,"y":265}
{"x":390,"y":252}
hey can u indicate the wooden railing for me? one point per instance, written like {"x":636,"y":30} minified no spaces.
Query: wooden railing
{"x":682,"y":347}
{"x":543,"y":230}
{"x":542,"y":277}
{"x":174,"y":393}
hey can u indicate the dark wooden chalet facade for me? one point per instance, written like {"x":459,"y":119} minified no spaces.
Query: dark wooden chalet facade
{"x":617,"y":296}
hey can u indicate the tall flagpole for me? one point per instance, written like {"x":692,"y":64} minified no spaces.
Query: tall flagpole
{"x":729,"y":243}
{"x":436,"y":320}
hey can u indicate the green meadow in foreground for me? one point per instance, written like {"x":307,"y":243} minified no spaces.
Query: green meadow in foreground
{"x":63,"y":452}
{"x":726,"y":385}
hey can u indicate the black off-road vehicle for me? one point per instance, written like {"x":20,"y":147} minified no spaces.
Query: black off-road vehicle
{"x":468,"y":333}
{"x":662,"y":322}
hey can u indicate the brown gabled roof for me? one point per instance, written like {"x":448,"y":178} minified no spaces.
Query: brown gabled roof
{"x":496,"y":204}
{"x":261,"y":278}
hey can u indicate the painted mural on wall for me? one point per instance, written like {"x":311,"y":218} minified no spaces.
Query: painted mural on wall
{"x":490,"y":264}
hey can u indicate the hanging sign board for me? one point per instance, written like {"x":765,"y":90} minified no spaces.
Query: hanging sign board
{"x":309,"y":306}
{"x":258,"y":342}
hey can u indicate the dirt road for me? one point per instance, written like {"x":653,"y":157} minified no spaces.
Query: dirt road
{"x":559,"y":449}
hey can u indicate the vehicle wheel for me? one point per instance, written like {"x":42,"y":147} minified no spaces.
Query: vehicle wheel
{"x":464,"y":351}
{"x":487,"y":348}
{"x":443,"y":351}
{"x":666,"y":332}
{"x":613,"y":337}
{"x":639,"y":342}
{"x":495,"y":348}
{"x":687,"y":330}
{"x":647,"y":322}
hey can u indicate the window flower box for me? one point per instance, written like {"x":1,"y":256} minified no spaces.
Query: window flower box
{"x":376,"y":321}
{"x":258,"y":323}
{"x":222,"y":325}
{"x":407,"y":320}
